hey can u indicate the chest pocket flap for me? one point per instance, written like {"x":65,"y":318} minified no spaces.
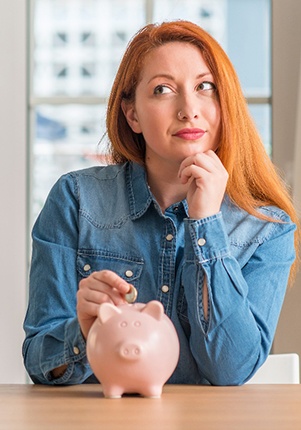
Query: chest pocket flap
{"x":127,"y":267}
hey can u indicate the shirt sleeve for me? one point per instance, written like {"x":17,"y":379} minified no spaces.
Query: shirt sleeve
{"x":53,"y":335}
{"x":244,"y":302}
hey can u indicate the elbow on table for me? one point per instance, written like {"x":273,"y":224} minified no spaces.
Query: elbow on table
{"x":232,"y":377}
{"x":226,"y":382}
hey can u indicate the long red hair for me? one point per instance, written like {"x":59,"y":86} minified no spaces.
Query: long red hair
{"x":253,"y":179}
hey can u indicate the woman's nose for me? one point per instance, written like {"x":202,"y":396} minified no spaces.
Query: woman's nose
{"x":183,"y":115}
{"x":188,"y":109}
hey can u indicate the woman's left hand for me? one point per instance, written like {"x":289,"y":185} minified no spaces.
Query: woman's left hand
{"x":207,"y":179}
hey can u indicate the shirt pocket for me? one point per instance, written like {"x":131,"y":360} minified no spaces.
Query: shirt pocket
{"x":127,"y":267}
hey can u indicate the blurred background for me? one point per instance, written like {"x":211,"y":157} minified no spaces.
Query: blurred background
{"x":58,"y":61}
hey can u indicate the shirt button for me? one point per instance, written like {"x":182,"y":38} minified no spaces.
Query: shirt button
{"x":201,"y":241}
{"x":76,"y":350}
{"x":129,"y":273}
{"x":169,"y":237}
{"x":87,"y":267}
{"x":165,"y":288}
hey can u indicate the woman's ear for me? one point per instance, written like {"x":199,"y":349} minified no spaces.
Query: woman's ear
{"x":131,"y":116}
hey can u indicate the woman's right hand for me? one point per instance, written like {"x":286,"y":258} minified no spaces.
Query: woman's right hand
{"x":99,"y":287}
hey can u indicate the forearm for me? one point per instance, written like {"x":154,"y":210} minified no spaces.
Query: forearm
{"x":232,"y":332}
{"x":56,"y":347}
{"x":235,"y":339}
{"x":231,"y":342}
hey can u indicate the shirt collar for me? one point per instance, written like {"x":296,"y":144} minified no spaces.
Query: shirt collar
{"x":140,"y":197}
{"x":139,"y":193}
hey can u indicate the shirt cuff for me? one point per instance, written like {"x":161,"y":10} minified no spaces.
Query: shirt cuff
{"x":75,"y":344}
{"x":206,"y":239}
{"x":74,"y":351}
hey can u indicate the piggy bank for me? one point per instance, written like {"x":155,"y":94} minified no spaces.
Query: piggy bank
{"x":132,"y":348}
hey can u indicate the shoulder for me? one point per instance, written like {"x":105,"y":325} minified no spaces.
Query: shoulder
{"x":77,"y":180}
{"x":275,"y":213}
{"x":244,"y":228}
{"x":249,"y":234}
{"x":101,"y":173}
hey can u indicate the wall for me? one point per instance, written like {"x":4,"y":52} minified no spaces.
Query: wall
{"x":12,"y":187}
{"x":287,"y":142}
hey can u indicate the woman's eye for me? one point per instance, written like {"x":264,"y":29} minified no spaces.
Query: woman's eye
{"x":162,"y":89}
{"x":206,"y":86}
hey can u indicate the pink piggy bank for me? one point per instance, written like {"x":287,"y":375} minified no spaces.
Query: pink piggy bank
{"x":132,"y":348}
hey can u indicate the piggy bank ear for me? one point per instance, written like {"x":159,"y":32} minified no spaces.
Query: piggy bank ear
{"x":107,"y":311}
{"x":154,"y":309}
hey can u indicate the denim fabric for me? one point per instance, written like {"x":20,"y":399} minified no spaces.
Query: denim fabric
{"x":107,"y":218}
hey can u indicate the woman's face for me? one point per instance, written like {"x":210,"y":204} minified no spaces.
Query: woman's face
{"x":176,"y":107}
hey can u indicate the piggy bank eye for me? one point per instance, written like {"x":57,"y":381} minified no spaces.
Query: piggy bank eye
{"x":137,"y":323}
{"x":123,"y":324}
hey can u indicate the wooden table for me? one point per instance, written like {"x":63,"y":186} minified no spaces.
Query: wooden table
{"x":181,"y":407}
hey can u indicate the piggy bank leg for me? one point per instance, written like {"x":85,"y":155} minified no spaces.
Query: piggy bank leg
{"x":153,"y":391}
{"x":112,"y":391}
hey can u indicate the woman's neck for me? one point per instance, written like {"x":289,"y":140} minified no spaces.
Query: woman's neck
{"x":165,"y":186}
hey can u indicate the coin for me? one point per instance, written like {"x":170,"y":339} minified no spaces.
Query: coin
{"x":131,"y":296}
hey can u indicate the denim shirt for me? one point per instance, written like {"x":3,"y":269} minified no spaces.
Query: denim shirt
{"x":107,"y":218}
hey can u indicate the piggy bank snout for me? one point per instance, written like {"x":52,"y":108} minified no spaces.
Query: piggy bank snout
{"x":130,"y":351}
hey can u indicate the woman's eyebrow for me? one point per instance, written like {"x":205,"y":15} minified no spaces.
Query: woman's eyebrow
{"x":172,"y":78}
{"x":162,"y":75}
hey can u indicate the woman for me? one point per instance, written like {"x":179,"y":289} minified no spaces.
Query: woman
{"x":191,"y":212}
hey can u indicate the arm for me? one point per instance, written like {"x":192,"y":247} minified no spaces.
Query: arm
{"x":53,"y":335}
{"x":207,"y":179}
{"x":244,"y":302}
{"x":62,"y":307}
{"x":233,"y":308}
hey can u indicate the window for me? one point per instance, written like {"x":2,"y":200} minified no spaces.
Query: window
{"x":76,"y":46}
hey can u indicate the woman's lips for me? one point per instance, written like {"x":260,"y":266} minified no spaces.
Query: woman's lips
{"x":190,"y":133}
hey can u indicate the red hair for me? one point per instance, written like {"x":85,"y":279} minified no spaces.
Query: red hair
{"x":253,"y":179}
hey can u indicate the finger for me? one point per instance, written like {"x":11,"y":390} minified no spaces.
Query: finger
{"x":209,"y":162}
{"x":106,"y":294}
{"x":191,"y":173}
{"x":212,"y":154}
{"x":89,"y":310}
{"x":112,"y":280}
{"x":201,"y":160}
